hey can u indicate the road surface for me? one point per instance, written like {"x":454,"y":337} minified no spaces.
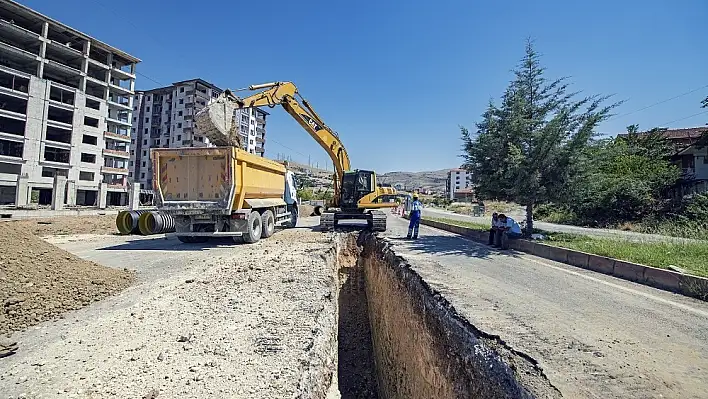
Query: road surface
{"x":595,"y":336}
{"x":561,"y":228}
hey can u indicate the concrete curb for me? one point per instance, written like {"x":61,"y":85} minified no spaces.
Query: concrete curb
{"x":667,"y":280}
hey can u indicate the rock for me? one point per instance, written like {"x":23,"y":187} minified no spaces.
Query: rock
{"x":191,"y":280}
{"x":184,"y":338}
{"x":161,"y":356}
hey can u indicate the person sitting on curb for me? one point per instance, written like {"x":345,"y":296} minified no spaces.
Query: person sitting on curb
{"x":507,"y":228}
{"x":493,"y":228}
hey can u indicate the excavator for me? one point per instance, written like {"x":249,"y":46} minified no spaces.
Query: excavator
{"x":357,"y":196}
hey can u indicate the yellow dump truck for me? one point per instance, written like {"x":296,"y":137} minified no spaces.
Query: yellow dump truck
{"x":223,"y":191}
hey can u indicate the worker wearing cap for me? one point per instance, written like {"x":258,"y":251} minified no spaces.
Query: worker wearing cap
{"x":416,"y":208}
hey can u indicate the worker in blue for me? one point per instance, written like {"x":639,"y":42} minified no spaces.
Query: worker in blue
{"x":416,"y":208}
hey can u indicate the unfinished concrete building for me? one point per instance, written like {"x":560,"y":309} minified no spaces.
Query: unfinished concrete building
{"x":164,"y":118}
{"x":65,"y":110}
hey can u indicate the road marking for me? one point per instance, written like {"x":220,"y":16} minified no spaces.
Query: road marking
{"x":627,"y":289}
{"x":682,"y":306}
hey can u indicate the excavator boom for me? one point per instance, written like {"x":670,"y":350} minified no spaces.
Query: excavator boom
{"x":216,"y":122}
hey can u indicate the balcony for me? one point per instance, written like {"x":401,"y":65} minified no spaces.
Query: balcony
{"x":260,"y":149}
{"x":63,"y":49}
{"x":260,"y":140}
{"x":122,"y":122}
{"x":117,"y":137}
{"x":123,"y":75}
{"x":120,"y":89}
{"x":116,"y":153}
{"x":115,"y":171}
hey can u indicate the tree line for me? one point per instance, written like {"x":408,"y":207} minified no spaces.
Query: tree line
{"x":538,"y":147}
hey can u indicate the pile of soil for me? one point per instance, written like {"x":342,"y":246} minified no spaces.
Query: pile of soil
{"x":39,"y":281}
{"x":93,"y":224}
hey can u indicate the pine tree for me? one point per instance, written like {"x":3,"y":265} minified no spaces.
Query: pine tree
{"x":526,"y":149}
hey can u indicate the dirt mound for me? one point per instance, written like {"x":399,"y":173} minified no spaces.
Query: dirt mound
{"x":39,"y":281}
{"x":94,"y":224}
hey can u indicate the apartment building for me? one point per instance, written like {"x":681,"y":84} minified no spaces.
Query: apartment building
{"x":164,"y":118}
{"x":458,"y":181}
{"x":65,"y":110}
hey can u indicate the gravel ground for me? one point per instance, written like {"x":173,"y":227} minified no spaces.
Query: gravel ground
{"x":204,"y":320}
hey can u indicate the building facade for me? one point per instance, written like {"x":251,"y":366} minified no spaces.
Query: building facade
{"x":457,"y":179}
{"x":65,"y":110}
{"x":164,"y":118}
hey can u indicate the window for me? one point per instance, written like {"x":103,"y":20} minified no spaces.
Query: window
{"x":144,"y":153}
{"x":148,"y":98}
{"x":181,"y":100}
{"x":135,"y":108}
{"x":146,"y":132}
{"x":147,"y":120}
{"x":148,"y":109}
{"x":135,"y":119}
{"x":130,"y":174}
{"x":179,"y":125}
{"x":88,"y":121}
{"x":88,"y":158}
{"x":132,"y":130}
{"x":86,"y":176}
{"x":179,"y":137}
{"x":179,"y":113}
{"x":143,"y":164}
{"x":130,"y":163}
{"x":132,"y":152}
{"x":181,"y":89}
{"x":142,"y":175}
{"x":93,"y":140}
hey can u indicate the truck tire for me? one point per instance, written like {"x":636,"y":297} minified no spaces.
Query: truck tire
{"x":268,"y":223}
{"x":254,"y":228}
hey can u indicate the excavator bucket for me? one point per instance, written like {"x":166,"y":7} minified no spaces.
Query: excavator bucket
{"x":216,"y":122}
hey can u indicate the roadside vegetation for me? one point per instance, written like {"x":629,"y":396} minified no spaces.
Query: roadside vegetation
{"x":690,"y":256}
{"x":538,"y":147}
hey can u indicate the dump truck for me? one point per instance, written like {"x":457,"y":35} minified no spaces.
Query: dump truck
{"x":223,"y":191}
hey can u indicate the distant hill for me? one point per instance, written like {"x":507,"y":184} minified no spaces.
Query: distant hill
{"x":434,"y":180}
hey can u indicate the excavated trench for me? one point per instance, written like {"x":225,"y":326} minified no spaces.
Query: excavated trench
{"x":398,"y":338}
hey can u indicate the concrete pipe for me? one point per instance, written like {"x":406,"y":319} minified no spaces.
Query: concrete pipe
{"x":156,"y":223}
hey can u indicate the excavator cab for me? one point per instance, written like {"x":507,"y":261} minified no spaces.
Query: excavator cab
{"x":355,"y":185}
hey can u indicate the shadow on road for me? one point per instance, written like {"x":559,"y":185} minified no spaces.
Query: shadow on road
{"x":170,"y":245}
{"x":450,"y":245}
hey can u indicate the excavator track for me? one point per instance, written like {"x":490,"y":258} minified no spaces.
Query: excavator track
{"x":327,"y":221}
{"x":378,"y":219}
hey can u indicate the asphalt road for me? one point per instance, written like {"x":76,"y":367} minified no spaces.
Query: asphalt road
{"x":561,"y":228}
{"x":595,"y":336}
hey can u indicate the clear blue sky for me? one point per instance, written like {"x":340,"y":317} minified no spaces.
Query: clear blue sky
{"x":396,"y":79}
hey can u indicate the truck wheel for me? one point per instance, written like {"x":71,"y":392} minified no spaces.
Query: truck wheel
{"x":254,"y":228}
{"x":268,"y":223}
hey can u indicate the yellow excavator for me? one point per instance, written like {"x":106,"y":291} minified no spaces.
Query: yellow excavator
{"x":357,"y":196}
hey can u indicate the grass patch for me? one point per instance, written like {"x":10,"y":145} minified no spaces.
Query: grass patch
{"x":690,"y":256}
{"x":686,"y":255}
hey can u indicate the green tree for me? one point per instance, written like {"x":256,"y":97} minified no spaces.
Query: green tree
{"x":622,"y":179}
{"x":305,"y":194}
{"x":526,"y":149}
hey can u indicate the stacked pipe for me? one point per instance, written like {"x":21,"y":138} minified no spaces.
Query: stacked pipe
{"x":156,"y":223}
{"x":127,"y":221}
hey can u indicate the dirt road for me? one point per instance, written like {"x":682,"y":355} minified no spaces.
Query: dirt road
{"x":596,"y":336}
{"x":203,"y":320}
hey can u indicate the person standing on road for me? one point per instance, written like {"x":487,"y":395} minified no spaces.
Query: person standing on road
{"x":416,"y":208}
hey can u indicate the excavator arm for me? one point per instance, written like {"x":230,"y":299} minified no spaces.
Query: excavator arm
{"x":286,"y":95}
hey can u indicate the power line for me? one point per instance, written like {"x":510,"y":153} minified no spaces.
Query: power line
{"x":684,"y":118}
{"x":661,"y":102}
